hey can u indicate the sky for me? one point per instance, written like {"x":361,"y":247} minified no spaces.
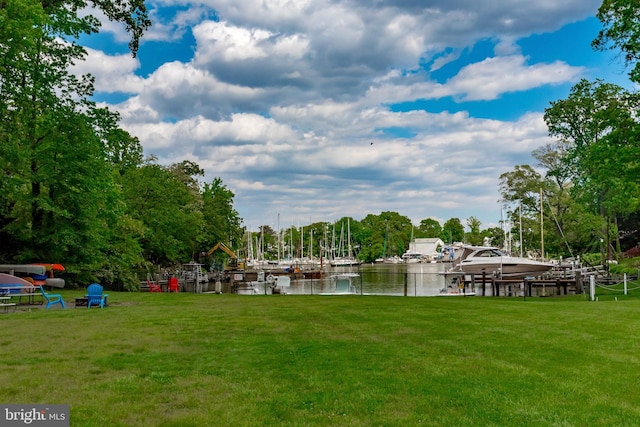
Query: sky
{"x":313,"y":110}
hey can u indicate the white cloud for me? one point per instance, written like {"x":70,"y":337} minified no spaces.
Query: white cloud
{"x":443,"y":60}
{"x":219,"y":41}
{"x":488,"y":79}
{"x":313,"y":108}
{"x":229,"y":43}
{"x":113,"y":73}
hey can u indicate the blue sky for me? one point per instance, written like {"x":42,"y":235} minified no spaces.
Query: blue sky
{"x":321,"y":109}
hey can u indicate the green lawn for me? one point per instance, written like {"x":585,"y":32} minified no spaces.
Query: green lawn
{"x":233,"y":360}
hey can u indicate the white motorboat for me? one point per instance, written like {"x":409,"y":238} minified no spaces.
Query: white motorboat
{"x":412,"y":257}
{"x":342,"y":284}
{"x":344,"y":262}
{"x":492,"y":261}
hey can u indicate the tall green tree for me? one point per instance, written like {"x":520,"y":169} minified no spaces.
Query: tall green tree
{"x":520,"y":190}
{"x":170,"y":211}
{"x":60,"y":200}
{"x":222,"y":223}
{"x":452,"y":231}
{"x":474,"y":236}
{"x":598,"y":122}
{"x":389,"y":235}
{"x":121,"y":150}
{"x":267,"y":239}
{"x":429,"y":227}
{"x":621,"y":31}
{"x":494,"y":235}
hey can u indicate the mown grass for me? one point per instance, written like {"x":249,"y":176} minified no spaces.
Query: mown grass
{"x":212,"y":360}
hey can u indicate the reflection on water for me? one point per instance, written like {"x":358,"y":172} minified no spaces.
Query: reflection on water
{"x":381,"y":279}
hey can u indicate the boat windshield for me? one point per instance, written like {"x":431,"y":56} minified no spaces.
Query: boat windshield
{"x":486,"y":253}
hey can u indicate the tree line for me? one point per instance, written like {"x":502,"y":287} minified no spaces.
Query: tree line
{"x":586,"y":185}
{"x":77,"y":189}
{"x":385,"y":235}
{"x":75,"y":186}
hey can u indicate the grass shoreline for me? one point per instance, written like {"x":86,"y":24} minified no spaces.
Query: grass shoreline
{"x":187,"y":359}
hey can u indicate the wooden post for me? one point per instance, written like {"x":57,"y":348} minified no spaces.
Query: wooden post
{"x":405,"y":284}
{"x":579,"y":286}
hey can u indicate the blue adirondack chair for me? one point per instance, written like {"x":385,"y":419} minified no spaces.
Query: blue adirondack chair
{"x":95,"y":296}
{"x":52,"y":299}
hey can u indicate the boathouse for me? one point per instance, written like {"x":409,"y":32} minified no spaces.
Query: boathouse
{"x":428,"y":247}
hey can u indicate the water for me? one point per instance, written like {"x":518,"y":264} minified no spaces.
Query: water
{"x":379,"y":279}
{"x":393,"y":279}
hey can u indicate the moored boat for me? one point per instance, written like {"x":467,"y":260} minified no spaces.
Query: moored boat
{"x":344,"y":262}
{"x":342,"y":284}
{"x":491,"y":261}
{"x":412,"y":257}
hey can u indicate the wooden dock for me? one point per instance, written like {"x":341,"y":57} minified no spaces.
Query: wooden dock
{"x":486,"y":285}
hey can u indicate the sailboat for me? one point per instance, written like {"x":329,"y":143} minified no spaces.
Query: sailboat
{"x":412,"y":256}
{"x":349,"y":260}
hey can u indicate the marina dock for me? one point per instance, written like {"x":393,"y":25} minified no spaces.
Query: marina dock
{"x":413,"y":280}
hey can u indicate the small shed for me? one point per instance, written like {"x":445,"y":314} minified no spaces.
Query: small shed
{"x":428,"y":247}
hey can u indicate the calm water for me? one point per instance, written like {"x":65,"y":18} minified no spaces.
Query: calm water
{"x":381,"y":279}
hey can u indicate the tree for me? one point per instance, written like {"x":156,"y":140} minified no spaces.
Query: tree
{"x":452,"y":231}
{"x":388,"y":235}
{"x":60,"y":198}
{"x":522,"y":186}
{"x":265,"y":242}
{"x":557,"y":186}
{"x":170,"y":211}
{"x":319,"y":232}
{"x":495,"y":235}
{"x":621,"y":30}
{"x":598,"y":122}
{"x":430,"y":227}
{"x":222,"y":222}
{"x":520,"y":191}
{"x":474,"y":236}
{"x":121,"y":150}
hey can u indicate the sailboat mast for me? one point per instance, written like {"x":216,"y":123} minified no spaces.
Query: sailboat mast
{"x":278,"y":236}
{"x":291,"y":254}
{"x":541,"y":226}
{"x":386,"y":237}
{"x":348,"y":238}
{"x":520,"y":211}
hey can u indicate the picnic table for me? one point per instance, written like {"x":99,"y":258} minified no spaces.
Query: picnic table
{"x":5,"y":304}
{"x":20,"y":291}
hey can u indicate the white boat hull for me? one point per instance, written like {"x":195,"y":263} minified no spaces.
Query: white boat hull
{"x":344,"y":262}
{"x":492,"y":262}
{"x":509,"y":268}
